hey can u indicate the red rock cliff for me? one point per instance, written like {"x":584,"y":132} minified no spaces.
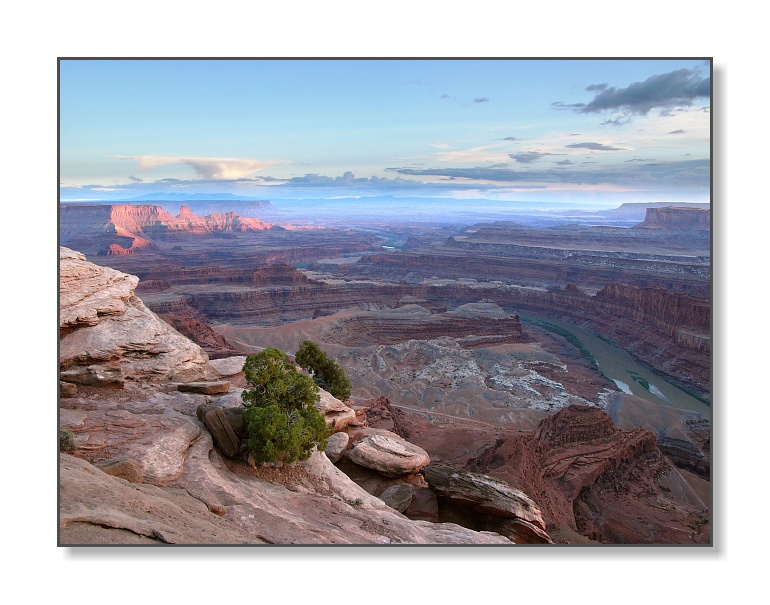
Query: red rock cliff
{"x":674,"y":218}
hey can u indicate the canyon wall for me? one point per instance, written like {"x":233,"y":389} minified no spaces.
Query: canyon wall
{"x":667,"y":331}
{"x":672,"y":218}
{"x":123,"y":229}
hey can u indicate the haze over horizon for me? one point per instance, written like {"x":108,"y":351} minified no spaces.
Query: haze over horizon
{"x":588,"y":133}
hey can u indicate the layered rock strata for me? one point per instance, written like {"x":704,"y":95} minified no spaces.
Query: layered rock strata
{"x":123,"y":229}
{"x":106,"y":331}
{"x":608,"y":485}
{"x":509,"y":510}
{"x":161,"y":480}
{"x":673,"y":218}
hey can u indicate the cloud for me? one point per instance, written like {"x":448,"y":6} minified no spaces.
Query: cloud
{"x":135,"y":179}
{"x":651,"y":176}
{"x":594,"y":87}
{"x":594,"y":147}
{"x":678,"y":131}
{"x":620,"y":120}
{"x":481,"y":100}
{"x":476,"y":155}
{"x":510,"y":139}
{"x":678,"y":88}
{"x":530,"y":156}
{"x":572,"y":106}
{"x":206,"y":168}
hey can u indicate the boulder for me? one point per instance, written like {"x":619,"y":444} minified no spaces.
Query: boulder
{"x":424,"y":505}
{"x":229,"y":366}
{"x":335,"y":446}
{"x":495,"y":499}
{"x":398,"y":496}
{"x":226,"y":425}
{"x":336,"y":413}
{"x":389,"y":454}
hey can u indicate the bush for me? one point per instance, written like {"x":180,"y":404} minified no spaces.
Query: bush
{"x":326,"y":372}
{"x":282,"y":420}
{"x":67,"y":441}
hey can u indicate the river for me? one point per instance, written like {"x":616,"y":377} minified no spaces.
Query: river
{"x":628,"y":374}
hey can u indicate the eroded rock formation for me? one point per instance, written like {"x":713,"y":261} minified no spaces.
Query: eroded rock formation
{"x":107,"y":331}
{"x":123,"y":229}
{"x":162,"y":480}
{"x":673,"y":218}
{"x":606,"y":484}
{"x":497,"y":502}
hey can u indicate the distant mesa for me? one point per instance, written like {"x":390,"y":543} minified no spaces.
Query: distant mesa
{"x":124,"y":229}
{"x":677,"y":218}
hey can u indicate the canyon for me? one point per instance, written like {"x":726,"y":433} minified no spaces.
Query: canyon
{"x":452,"y":338}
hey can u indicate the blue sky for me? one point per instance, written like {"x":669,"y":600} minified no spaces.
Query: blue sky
{"x":590,"y":132}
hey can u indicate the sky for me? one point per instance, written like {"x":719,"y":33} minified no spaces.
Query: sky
{"x":582,"y":132}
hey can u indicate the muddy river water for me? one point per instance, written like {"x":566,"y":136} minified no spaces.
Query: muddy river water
{"x":628,"y":374}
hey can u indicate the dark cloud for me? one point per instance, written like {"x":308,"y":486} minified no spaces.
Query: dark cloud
{"x":686,"y":173}
{"x":135,"y":179}
{"x":502,"y":165}
{"x":678,"y":88}
{"x":528,"y":157}
{"x":445,"y":96}
{"x":594,"y":147}
{"x":679,"y":131}
{"x":510,"y":139}
{"x":564,"y":162}
{"x":620,"y":120}
{"x":481,"y":100}
{"x":572,"y":106}
{"x":594,"y":87}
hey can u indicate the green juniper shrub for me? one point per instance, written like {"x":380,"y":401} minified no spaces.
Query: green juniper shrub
{"x":283,"y":422}
{"x":326,"y":373}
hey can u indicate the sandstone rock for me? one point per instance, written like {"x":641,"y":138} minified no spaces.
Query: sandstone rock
{"x":229,"y":366}
{"x":389,"y":454}
{"x":157,"y":442}
{"x":336,"y":413}
{"x":96,"y":508}
{"x":208,"y":503}
{"x":107,"y":331}
{"x":335,"y":446}
{"x":683,"y":436}
{"x":590,"y":478}
{"x":226,"y":425}
{"x":483,"y":494}
{"x":125,"y":468}
{"x":223,"y":434}
{"x":205,"y":388}
{"x":398,"y":496}
{"x":94,"y":376}
{"x":424,"y":505}
{"x":88,"y":292}
{"x":677,"y":218}
{"x":107,"y":228}
{"x":67,"y":389}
